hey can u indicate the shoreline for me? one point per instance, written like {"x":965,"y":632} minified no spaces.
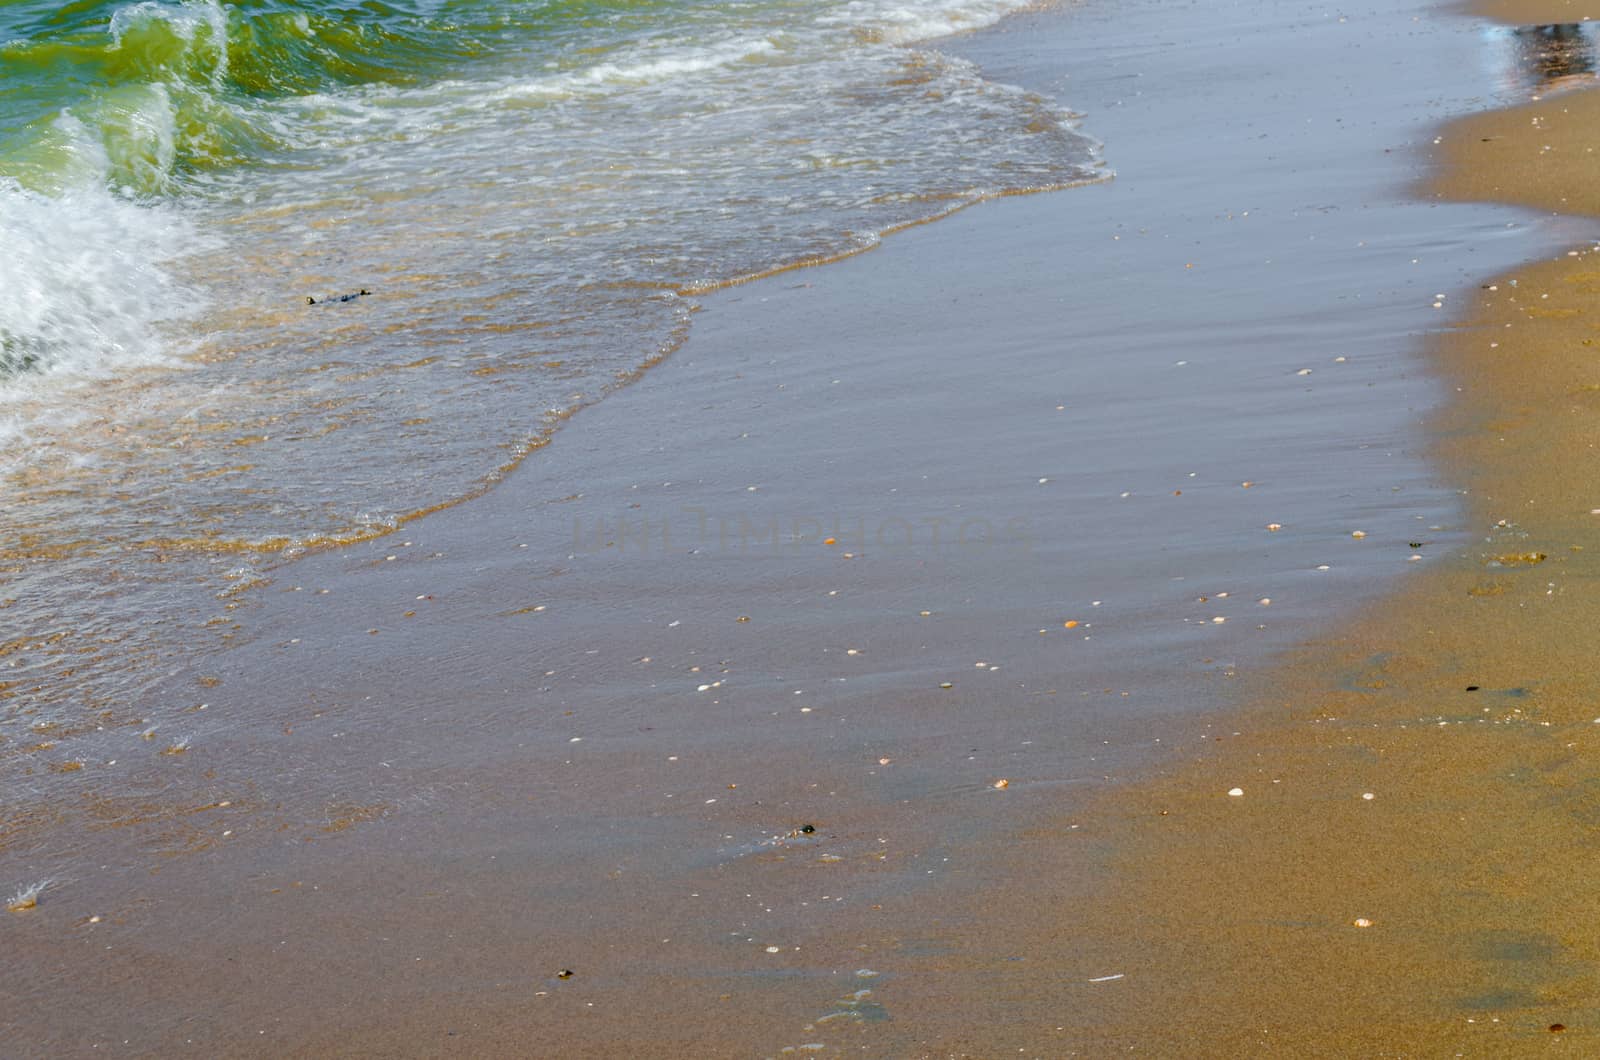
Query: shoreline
{"x":397,"y":883}
{"x":1387,"y":852}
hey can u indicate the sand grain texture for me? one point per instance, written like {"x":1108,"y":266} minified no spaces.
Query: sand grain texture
{"x":1453,"y":909}
{"x":1527,"y":12}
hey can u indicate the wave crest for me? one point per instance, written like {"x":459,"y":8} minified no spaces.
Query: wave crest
{"x":81,"y":285}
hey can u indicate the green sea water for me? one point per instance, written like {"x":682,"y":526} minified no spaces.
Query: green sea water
{"x":535,"y":194}
{"x":144,"y":95}
{"x":158,"y":91}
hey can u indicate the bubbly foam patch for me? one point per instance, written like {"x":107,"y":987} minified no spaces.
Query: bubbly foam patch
{"x":82,"y":287}
{"x":534,"y":228}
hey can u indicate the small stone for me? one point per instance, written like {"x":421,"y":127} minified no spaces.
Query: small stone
{"x":1362,"y":922}
{"x":1236,"y":792}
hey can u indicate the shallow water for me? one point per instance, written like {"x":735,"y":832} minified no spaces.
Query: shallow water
{"x":534,"y":196}
{"x":512,"y":739}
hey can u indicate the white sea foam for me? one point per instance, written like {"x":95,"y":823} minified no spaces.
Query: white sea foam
{"x":82,"y":287}
{"x":910,"y":21}
{"x":657,"y":62}
{"x":678,"y":65}
{"x":830,"y":29}
{"x":186,"y":20}
{"x":533,"y":229}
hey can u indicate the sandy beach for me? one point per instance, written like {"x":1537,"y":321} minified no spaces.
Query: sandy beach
{"x":874,"y":674}
{"x":1387,"y":856}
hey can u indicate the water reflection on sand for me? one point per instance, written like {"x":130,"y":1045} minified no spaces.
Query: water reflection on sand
{"x":1541,"y":59}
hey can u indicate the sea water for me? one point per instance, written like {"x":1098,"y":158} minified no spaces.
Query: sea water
{"x":278,"y":275}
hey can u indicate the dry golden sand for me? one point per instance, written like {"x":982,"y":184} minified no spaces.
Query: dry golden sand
{"x":1409,"y":863}
{"x":1530,"y":12}
{"x":1544,"y":154}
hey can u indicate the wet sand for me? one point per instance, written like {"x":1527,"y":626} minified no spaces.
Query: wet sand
{"x":1392,"y":853}
{"x":584,"y":723}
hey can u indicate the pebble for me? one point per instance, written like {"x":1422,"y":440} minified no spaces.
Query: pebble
{"x":1236,"y":792}
{"x":1362,"y":922}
